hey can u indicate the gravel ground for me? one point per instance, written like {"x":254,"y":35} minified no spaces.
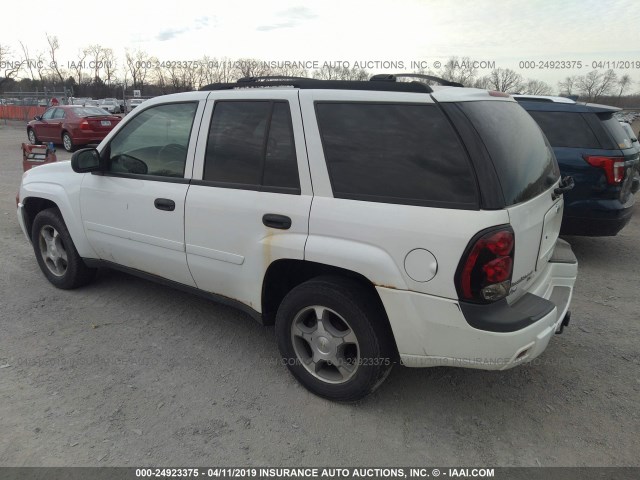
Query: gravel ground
{"x":125,"y":372}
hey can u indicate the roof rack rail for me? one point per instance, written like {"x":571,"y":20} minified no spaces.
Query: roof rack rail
{"x":271,"y":77}
{"x":313,"y":83}
{"x":518,"y":98}
{"x":386,"y":77}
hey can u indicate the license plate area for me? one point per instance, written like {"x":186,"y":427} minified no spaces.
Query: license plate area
{"x":550,"y":232}
{"x":105,"y":123}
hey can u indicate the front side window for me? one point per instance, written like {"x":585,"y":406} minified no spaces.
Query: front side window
{"x":155,"y":142}
{"x":59,"y":113}
{"x":48,"y":115}
{"x":251,"y":145}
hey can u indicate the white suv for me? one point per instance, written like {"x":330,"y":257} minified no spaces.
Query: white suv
{"x":374,"y":222}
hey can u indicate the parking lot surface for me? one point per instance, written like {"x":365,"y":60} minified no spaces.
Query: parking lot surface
{"x":126,"y":372}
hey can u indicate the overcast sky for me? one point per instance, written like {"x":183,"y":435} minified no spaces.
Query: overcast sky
{"x":505,"y":32}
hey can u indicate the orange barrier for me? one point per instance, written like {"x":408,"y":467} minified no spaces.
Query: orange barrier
{"x":34,"y":155}
{"x":20,"y":112}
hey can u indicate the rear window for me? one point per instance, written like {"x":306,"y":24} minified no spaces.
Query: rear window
{"x":615,"y":130}
{"x":566,"y":129}
{"x":395,"y":153}
{"x":89,"y":111}
{"x":523,"y":159}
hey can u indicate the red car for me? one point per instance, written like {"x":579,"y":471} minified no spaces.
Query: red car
{"x":71,"y":125}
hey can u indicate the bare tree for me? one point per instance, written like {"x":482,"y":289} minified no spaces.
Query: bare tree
{"x":95,"y":53}
{"x":54,"y":45}
{"x":624,"y":82}
{"x":459,"y":70}
{"x":505,"y":80}
{"x":290,"y":71}
{"x":567,"y":85}
{"x":41,"y":67}
{"x":109,"y":65}
{"x":78,"y":65}
{"x":214,"y":70}
{"x":27,"y":62}
{"x":139,"y":65}
{"x":483,"y":83}
{"x":251,"y":67}
{"x":536,"y":87}
{"x":338,"y":72}
{"x":11,"y":69}
{"x":594,"y":84}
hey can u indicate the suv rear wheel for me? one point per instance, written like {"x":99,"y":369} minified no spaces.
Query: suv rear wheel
{"x":57,"y":256}
{"x":332,"y":337}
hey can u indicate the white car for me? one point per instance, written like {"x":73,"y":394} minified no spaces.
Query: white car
{"x":111,"y":105}
{"x":632,"y":136}
{"x":373,"y":222}
{"x":133,"y":103}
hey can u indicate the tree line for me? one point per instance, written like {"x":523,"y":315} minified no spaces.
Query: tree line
{"x":98,"y":73}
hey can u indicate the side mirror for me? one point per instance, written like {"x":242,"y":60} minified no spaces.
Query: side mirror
{"x":37,"y":117}
{"x":85,"y":160}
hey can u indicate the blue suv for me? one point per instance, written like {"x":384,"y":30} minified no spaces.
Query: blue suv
{"x":593,"y":148}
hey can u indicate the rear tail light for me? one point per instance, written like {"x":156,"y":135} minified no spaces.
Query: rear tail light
{"x":484,"y":273}
{"x":613,"y":167}
{"x":84,"y":125}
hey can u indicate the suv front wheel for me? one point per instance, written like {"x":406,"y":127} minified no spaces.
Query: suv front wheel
{"x":56,"y":253}
{"x":332,"y":336}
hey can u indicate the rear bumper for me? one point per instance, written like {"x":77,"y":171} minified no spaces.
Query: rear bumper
{"x":83,"y":137}
{"x":597,"y":218}
{"x":433,"y":331}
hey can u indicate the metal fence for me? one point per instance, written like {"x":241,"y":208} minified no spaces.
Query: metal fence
{"x":25,"y":105}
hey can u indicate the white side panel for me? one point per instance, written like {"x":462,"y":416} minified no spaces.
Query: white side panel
{"x":228,"y":247}
{"x":374,"y":238}
{"x":124,"y":227}
{"x":60,"y":184}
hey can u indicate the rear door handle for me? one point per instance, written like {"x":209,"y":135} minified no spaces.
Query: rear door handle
{"x":274,"y":220}
{"x":165,"y":204}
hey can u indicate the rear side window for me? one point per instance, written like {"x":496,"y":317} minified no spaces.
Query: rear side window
{"x":523,"y":159}
{"x":615,"y":130}
{"x":251,"y":145}
{"x":565,"y":129}
{"x":395,"y":153}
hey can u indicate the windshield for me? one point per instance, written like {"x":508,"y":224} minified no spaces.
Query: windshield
{"x":523,"y":159}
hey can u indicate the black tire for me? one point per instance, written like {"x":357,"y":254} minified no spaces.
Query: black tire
{"x":342,"y":299}
{"x":64,"y":268}
{"x":33,"y":138}
{"x":67,"y":142}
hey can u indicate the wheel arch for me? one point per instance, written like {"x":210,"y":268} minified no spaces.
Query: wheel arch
{"x":53,"y":196}
{"x":285,"y":274}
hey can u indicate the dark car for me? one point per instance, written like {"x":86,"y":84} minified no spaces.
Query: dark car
{"x":71,"y":125}
{"x":591,"y":147}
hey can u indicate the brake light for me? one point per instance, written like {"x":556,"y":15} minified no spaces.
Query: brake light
{"x":84,"y":125}
{"x":484,"y":273}
{"x":494,"y":93}
{"x":613,"y":167}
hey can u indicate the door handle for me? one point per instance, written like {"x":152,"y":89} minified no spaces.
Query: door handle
{"x":274,"y":220}
{"x":566,"y":184}
{"x":165,"y":204}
